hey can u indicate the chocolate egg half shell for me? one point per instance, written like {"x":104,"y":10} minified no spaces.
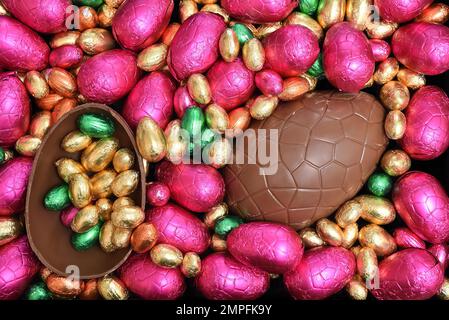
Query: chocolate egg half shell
{"x":328,"y":145}
{"x":49,"y":238}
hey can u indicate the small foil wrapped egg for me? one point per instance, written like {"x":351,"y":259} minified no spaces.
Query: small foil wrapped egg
{"x":66,"y":57}
{"x":271,"y":247}
{"x":348,"y":59}
{"x":321,"y":273}
{"x":223,"y":278}
{"x":291,"y":50}
{"x":410,"y":274}
{"x":18,"y":265}
{"x":259,"y":11}
{"x":400,"y":11}
{"x":197,"y":187}
{"x":406,"y":238}
{"x":422,"y":203}
{"x":150,"y":281}
{"x":179,"y":228}
{"x":422,"y":47}
{"x":158,"y":194}
{"x":182,"y":101}
{"x":427,"y":133}
{"x":152,"y":96}
{"x":194,"y":48}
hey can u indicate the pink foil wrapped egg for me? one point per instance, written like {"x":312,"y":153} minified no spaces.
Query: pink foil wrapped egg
{"x":231,"y":83}
{"x":410,"y":274}
{"x":422,"y":47}
{"x":179,"y":228}
{"x":259,"y":11}
{"x":400,"y":10}
{"x":427,"y":133}
{"x":348,"y":59}
{"x":224,"y":278}
{"x":158,"y":194}
{"x":441,"y":252}
{"x":67,"y":215}
{"x":14,"y":109}
{"x":269,"y":82}
{"x":21,"y":48}
{"x":152,"y":96}
{"x":14,"y":177}
{"x":321,"y":273}
{"x":140,"y":23}
{"x":271,"y":247}
{"x":109,"y":76}
{"x":423,"y":204}
{"x":66,"y":57}
{"x":406,"y":238}
{"x":18,"y":265}
{"x":381,"y":49}
{"x":196,"y":187}
{"x":150,"y":281}
{"x":291,"y":50}
{"x":182,"y":101}
{"x":194,"y":48}
{"x":46,"y":16}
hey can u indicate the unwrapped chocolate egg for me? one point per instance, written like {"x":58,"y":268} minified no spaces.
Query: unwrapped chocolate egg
{"x":179,"y":228}
{"x":259,"y":11}
{"x":223,"y":278}
{"x":410,"y":274}
{"x":400,"y":10}
{"x":271,"y":247}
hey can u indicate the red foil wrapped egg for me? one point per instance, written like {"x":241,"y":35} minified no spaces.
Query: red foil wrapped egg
{"x":150,"y":281}
{"x":67,"y":215}
{"x":138,"y":24}
{"x":66,"y":57}
{"x":182,"y":101}
{"x":259,"y":11}
{"x":231,"y":83}
{"x":158,"y":194}
{"x":179,"y":228}
{"x":422,"y":47}
{"x":348,"y":59}
{"x":269,"y":82}
{"x":291,"y":50}
{"x":224,"y":278}
{"x":441,"y":252}
{"x":21,"y":48}
{"x":426,"y":136}
{"x":14,"y":109}
{"x":410,"y":274}
{"x":406,"y":238}
{"x":18,"y":265}
{"x":271,"y":247}
{"x":381,"y":49}
{"x":194,"y":48}
{"x":152,"y":96}
{"x":109,"y":76}
{"x":321,"y":273}
{"x":400,"y":11}
{"x":422,"y":203}
{"x":196,"y":187}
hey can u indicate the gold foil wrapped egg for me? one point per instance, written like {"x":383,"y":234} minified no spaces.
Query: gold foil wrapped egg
{"x":66,"y":167}
{"x":376,"y":210}
{"x":395,"y":162}
{"x":310,"y":238}
{"x":191,"y":265}
{"x":367,"y":263}
{"x":101,"y":183}
{"x":144,"y":237}
{"x":104,"y":207}
{"x":350,"y":235}
{"x":411,"y":79}
{"x":394,"y":95}
{"x":105,"y":238}
{"x":75,"y":141}
{"x":386,"y":71}
{"x":253,"y":54}
{"x":80,"y":190}
{"x":85,"y":219}
{"x":153,"y":58}
{"x":378,"y":239}
{"x":127,"y":217}
{"x":217,"y":243}
{"x":28,"y":145}
{"x":395,"y":124}
{"x":121,"y":202}
{"x":121,"y":237}
{"x":166,"y":255}
{"x":125,"y":183}
{"x":263,"y":107}
{"x":307,"y":21}
{"x":36,"y":84}
{"x":216,"y":213}
{"x":229,"y":45}
{"x":10,"y":229}
{"x":348,"y":213}
{"x":150,"y":140}
{"x":40,"y":124}
{"x":98,"y":155}
{"x":199,"y":89}
{"x":331,"y":12}
{"x":357,"y":289}
{"x":112,"y":288}
{"x":330,"y":232}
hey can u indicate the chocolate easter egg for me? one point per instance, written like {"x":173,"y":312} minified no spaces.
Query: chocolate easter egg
{"x":324,"y":147}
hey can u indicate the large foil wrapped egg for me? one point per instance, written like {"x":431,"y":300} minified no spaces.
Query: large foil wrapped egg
{"x":410,"y":274}
{"x":291,"y":50}
{"x":426,"y":136}
{"x":223,"y":278}
{"x":179,"y":228}
{"x":18,"y":265}
{"x":347,"y":57}
{"x":152,"y":96}
{"x":231,"y":83}
{"x":422,"y":47}
{"x":196,"y":187}
{"x":21,"y":48}
{"x":150,"y":281}
{"x":271,"y":247}
{"x":14,"y":109}
{"x":109,"y":76}
{"x":46,"y":16}
{"x":423,"y":204}
{"x":259,"y":11}
{"x":138,"y":24}
{"x":194,"y":48}
{"x":321,"y":273}
{"x":400,"y":11}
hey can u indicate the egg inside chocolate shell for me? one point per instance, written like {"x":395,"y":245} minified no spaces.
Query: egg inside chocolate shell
{"x":49,"y":238}
{"x":328,"y":144}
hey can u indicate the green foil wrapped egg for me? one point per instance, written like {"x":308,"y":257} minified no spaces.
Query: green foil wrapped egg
{"x":227,"y":224}
{"x":86,"y":240}
{"x":194,"y":122}
{"x":309,"y":7}
{"x":57,"y":198}
{"x":39,"y":291}
{"x":2,"y":155}
{"x":96,"y":125}
{"x":89,"y":3}
{"x":243,"y":33}
{"x":380,"y":184}
{"x":316,"y":70}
